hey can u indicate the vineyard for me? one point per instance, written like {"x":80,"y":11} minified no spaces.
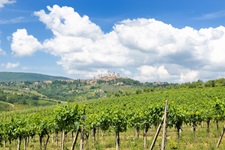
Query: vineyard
{"x":195,"y":120}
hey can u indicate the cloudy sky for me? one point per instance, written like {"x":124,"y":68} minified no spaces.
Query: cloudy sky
{"x":148,"y":40}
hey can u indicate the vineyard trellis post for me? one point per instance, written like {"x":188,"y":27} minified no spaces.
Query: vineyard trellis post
{"x":163,"y":122}
{"x":83,"y":118}
{"x":221,"y":136}
{"x":156,"y":134}
{"x":163,"y":145}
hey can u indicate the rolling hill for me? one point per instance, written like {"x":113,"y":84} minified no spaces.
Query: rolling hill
{"x":21,"y":76}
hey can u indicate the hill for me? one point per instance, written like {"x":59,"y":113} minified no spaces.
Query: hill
{"x":21,"y":76}
{"x":43,"y":90}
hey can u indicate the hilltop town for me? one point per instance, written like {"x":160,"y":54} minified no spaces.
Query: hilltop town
{"x":108,"y":77}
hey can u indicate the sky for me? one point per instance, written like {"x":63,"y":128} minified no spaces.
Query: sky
{"x":174,"y":41}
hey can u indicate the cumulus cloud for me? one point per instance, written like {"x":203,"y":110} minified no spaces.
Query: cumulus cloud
{"x":10,"y":65}
{"x":189,"y":76}
{"x":4,"y":2}
{"x":24,"y":44}
{"x":126,"y":72}
{"x":145,"y":49}
{"x":64,"y":21}
{"x":147,"y":73}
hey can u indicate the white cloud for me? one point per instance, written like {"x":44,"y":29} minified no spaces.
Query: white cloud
{"x":63,"y":21}
{"x":88,"y":73}
{"x":151,"y":73}
{"x":81,"y":43}
{"x":145,"y":49}
{"x":147,"y":35}
{"x":10,"y":65}
{"x":216,"y":46}
{"x":4,"y":2}
{"x":189,"y":76}
{"x":24,"y":44}
{"x":126,"y":72}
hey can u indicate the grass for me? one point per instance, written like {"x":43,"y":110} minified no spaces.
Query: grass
{"x":5,"y":106}
{"x":128,"y":140}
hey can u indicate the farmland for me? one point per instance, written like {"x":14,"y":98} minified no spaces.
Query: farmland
{"x":123,"y":121}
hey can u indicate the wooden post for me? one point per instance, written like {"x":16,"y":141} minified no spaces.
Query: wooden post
{"x":75,"y":139}
{"x":156,"y":134}
{"x":19,"y":143}
{"x":145,"y":135}
{"x":117,"y":140}
{"x":221,"y":136}
{"x":4,"y":144}
{"x":163,"y":145}
{"x":83,"y":117}
{"x":82,"y":138}
{"x":25,"y":143}
{"x":62,"y":139}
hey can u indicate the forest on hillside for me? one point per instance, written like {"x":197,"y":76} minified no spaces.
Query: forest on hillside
{"x":43,"y":93}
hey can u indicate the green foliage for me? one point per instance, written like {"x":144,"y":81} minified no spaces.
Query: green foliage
{"x":4,"y":106}
{"x":71,"y":90}
{"x":143,"y":108}
{"x":67,"y":117}
{"x":104,"y":120}
{"x":138,"y":91}
{"x":176,"y":116}
{"x":24,"y":99}
{"x":193,"y":117}
{"x":218,"y":107}
{"x":119,"y":120}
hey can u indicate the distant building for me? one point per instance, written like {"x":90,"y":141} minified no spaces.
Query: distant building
{"x":109,"y":76}
{"x":36,"y":83}
{"x":160,"y":83}
{"x":47,"y":81}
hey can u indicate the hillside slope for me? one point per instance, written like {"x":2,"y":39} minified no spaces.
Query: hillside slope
{"x":20,"y":76}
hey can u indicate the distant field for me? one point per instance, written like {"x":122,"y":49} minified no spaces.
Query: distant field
{"x":5,"y":106}
{"x":199,"y":113}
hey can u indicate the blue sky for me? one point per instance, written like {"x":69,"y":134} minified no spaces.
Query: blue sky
{"x":148,"y":40}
